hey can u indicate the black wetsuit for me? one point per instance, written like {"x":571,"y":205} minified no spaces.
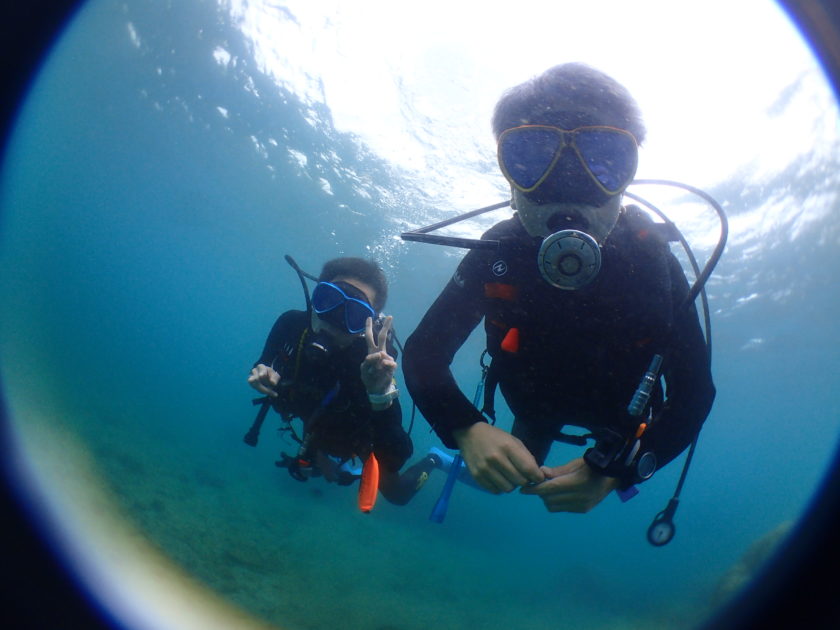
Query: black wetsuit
{"x":581,"y":354}
{"x":330,"y":397}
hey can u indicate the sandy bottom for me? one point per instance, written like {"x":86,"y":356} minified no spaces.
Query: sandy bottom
{"x":173,"y":531}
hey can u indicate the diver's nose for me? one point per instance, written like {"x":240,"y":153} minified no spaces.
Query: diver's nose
{"x":567,"y":182}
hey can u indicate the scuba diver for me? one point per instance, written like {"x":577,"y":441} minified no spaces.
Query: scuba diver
{"x":333,"y":367}
{"x":586,"y":310}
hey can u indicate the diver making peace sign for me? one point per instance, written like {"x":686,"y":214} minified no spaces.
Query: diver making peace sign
{"x":333,"y":367}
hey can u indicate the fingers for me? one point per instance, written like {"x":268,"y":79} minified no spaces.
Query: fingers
{"x":569,"y":477}
{"x":551,"y":486}
{"x":491,"y":483}
{"x":371,"y":344}
{"x":498,"y":461}
{"x":529,"y":468}
{"x":379,"y":360}
{"x":264,"y":380}
{"x":378,"y":368}
{"x":572,"y":487}
{"x":383,"y":334}
{"x":507,"y":470}
{"x":380,"y":343}
{"x":499,"y":480}
{"x":377,"y":372}
{"x":560,"y":495}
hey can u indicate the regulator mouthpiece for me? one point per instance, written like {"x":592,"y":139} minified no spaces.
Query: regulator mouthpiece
{"x":319,"y":349}
{"x":569,"y":259}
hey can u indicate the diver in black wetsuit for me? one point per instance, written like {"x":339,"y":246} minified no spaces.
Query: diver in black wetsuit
{"x":334,"y":369}
{"x":580,"y":298}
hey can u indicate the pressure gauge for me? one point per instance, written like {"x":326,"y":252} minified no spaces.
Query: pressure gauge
{"x":660,"y":532}
{"x":646,"y":465}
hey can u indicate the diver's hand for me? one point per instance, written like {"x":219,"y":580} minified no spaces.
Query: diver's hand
{"x":377,"y":370}
{"x":498,"y":461}
{"x":572,"y":487}
{"x":264,"y":380}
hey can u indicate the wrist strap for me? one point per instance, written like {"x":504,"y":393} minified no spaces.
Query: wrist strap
{"x":383,"y":401}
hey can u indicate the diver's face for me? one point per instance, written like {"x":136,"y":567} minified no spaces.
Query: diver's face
{"x":572,"y":194}
{"x":542,"y":219}
{"x":341,"y":337}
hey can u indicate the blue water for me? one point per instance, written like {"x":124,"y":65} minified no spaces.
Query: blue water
{"x":142,"y":266}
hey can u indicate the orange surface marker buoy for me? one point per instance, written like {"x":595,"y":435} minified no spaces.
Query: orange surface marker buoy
{"x":369,"y":485}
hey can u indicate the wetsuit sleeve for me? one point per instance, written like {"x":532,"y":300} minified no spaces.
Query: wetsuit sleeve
{"x":688,"y":379}
{"x":391,"y":443}
{"x":278,"y":336}
{"x":430,"y":349}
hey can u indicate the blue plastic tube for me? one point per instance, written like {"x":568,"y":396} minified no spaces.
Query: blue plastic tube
{"x":442,"y":504}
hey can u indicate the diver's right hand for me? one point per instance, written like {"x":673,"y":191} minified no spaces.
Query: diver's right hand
{"x":264,"y":380}
{"x":497,"y":460}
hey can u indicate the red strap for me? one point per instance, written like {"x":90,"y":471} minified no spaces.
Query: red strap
{"x":501,"y":291}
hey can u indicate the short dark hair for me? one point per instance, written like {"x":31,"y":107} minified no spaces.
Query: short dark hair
{"x":367,"y":271}
{"x":568,"y":96}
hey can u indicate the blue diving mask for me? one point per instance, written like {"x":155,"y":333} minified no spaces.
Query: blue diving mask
{"x":342,"y":305}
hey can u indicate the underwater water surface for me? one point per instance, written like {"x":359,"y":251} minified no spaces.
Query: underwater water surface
{"x":149,"y":195}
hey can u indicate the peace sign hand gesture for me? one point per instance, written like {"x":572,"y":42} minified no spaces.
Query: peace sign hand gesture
{"x":377,"y":370}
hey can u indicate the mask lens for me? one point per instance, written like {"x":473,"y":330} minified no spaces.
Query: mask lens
{"x":526,"y":154}
{"x":326,"y":297}
{"x":610,"y":156}
{"x":356,"y":314}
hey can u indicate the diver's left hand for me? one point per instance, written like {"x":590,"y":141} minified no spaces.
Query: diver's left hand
{"x":572,"y":487}
{"x":377,"y":370}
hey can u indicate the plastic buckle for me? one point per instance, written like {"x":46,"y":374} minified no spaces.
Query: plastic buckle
{"x":627,"y":494}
